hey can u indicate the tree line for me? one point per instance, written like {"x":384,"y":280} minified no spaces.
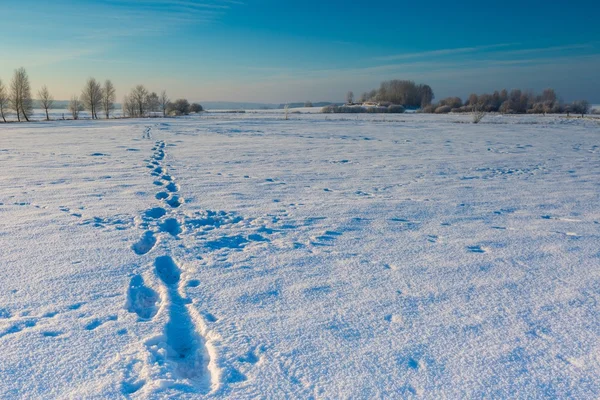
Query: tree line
{"x":514,"y":102}
{"x":96,"y":97}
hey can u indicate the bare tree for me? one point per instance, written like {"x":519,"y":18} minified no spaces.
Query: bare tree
{"x":46,"y":100}
{"x":91,"y":96}
{"x":153,"y":102}
{"x":581,"y":107}
{"x":75,"y":106}
{"x":164,"y":102}
{"x":139,"y":96}
{"x":3,"y":101}
{"x":478,"y":112}
{"x":349,"y":97}
{"x":129,"y":107}
{"x":20,"y":95}
{"x":109,"y":96}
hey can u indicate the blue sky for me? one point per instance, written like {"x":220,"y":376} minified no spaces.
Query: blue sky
{"x":283,"y":51}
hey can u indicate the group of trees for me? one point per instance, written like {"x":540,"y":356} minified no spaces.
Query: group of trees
{"x":17,"y":97}
{"x":141,"y":103}
{"x":97,"y":98}
{"x":514,"y":102}
{"x":94,"y":98}
{"x":405,"y":93}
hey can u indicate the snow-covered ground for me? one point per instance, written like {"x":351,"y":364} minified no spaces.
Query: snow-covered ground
{"x":327,"y":256}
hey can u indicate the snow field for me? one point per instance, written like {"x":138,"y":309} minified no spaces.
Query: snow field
{"x":245,"y":256}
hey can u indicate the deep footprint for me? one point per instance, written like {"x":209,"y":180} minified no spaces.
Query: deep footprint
{"x":172,"y":226}
{"x":175,"y":201}
{"x":172,"y":187}
{"x":167,"y":270}
{"x":186,"y":351}
{"x":156,"y":212}
{"x":145,"y":244}
{"x":141,"y":299}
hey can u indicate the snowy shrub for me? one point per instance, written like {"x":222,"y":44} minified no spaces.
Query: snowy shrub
{"x":178,"y":107}
{"x":443,"y":110}
{"x":429,"y":109}
{"x":478,"y":116}
{"x":196,"y":108}
{"x":395,"y":109}
{"x":452,"y":102}
{"x":332,"y":108}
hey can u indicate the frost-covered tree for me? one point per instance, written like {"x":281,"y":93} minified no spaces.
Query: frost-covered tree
{"x":164,"y":102}
{"x":46,"y":100}
{"x":91,"y":96}
{"x":75,"y":107}
{"x":20,"y":95}
{"x":3,"y":101}
{"x":109,"y":96}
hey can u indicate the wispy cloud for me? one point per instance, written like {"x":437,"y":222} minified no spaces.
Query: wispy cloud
{"x":443,"y":52}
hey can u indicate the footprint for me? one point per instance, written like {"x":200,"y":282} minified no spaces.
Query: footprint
{"x":51,"y":333}
{"x":185,"y":355}
{"x":96,"y":322}
{"x":172,"y":187}
{"x":145,"y":244}
{"x":156,"y":212}
{"x":175,"y":201}
{"x":172,"y":226}
{"x":162,"y":195}
{"x":141,"y":299}
{"x":167,"y":270}
{"x":93,"y":324}
{"x":476,"y":249}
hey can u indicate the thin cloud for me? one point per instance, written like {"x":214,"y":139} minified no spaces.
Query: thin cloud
{"x":443,"y":52}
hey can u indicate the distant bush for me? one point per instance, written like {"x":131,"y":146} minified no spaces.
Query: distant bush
{"x":452,"y":102}
{"x":395,"y":109}
{"x":443,"y":110}
{"x":429,"y":109}
{"x":178,"y":107}
{"x":330,"y":109}
{"x":196,"y":108}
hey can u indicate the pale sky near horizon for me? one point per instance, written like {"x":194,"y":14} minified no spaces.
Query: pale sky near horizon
{"x":276,"y":52}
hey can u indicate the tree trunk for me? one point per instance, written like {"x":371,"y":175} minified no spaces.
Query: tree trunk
{"x":47,"y":116}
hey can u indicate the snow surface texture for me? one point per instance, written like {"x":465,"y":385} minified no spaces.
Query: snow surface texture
{"x":327,"y":256}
